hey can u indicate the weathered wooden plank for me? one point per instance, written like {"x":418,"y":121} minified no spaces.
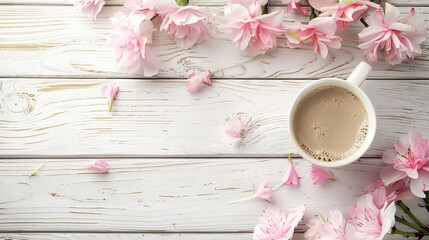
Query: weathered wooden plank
{"x":195,"y":2}
{"x":173,"y":195}
{"x":61,"y":117}
{"x":134,"y":236}
{"x":56,"y":41}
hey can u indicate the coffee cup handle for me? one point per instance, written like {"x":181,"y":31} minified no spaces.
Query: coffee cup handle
{"x":359,"y":74}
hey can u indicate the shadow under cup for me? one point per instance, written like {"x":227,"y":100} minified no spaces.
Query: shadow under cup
{"x":364,"y":100}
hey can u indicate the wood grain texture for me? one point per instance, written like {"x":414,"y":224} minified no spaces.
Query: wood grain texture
{"x":122,"y":236}
{"x":193,"y":2}
{"x":57,"y":117}
{"x":56,"y":41}
{"x":172,"y":195}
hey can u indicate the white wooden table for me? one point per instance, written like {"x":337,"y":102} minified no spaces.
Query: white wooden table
{"x":172,"y":166}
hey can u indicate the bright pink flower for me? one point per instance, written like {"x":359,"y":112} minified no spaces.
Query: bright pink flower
{"x":197,"y":80}
{"x":278,"y":223}
{"x":367,"y":221}
{"x":410,"y":160}
{"x":319,"y":175}
{"x":264,"y":193}
{"x":294,"y":5}
{"x":89,"y":8}
{"x":129,"y":43}
{"x":391,"y":38}
{"x":320,"y":31}
{"x":344,"y":11}
{"x":291,"y":177}
{"x":235,"y":128}
{"x":327,"y":226}
{"x":187,"y":25}
{"x":251,"y":30}
{"x":99,"y":166}
{"x":110,"y":93}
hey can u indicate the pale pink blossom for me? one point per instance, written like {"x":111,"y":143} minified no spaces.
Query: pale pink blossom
{"x":110,"y":92}
{"x":392,"y":38}
{"x":264,"y":193}
{"x":146,"y":7}
{"x":197,"y":80}
{"x":327,"y":226}
{"x":129,"y":42}
{"x":235,"y":128}
{"x":319,"y":175}
{"x":368,"y":221}
{"x":393,"y":192}
{"x":294,"y":5}
{"x":344,"y":11}
{"x":251,"y":30}
{"x":291,"y":177}
{"x":320,"y":32}
{"x":99,"y":166}
{"x":90,"y":8}
{"x":278,"y":224}
{"x":187,"y":25}
{"x":410,"y":162}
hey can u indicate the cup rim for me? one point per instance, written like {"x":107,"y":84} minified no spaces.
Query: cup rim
{"x":363,"y":97}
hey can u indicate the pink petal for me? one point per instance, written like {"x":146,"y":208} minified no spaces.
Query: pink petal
{"x":390,"y":175}
{"x":264,"y":193}
{"x":99,"y":166}
{"x":110,"y":93}
{"x":420,"y":185}
{"x":291,"y":177}
{"x":235,"y":128}
{"x":319,"y":175}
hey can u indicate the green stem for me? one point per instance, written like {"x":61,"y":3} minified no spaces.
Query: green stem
{"x":313,"y":13}
{"x":265,"y":9}
{"x":427,"y":200}
{"x":412,"y":216}
{"x":182,"y":2}
{"x":411,"y":225}
{"x":408,"y":234}
{"x":383,"y":5}
{"x":364,"y":22}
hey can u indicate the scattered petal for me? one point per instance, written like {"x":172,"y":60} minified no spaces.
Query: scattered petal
{"x":264,"y":193}
{"x":319,"y":175}
{"x":197,"y":80}
{"x":110,"y":93}
{"x":99,"y":166}
{"x":291,"y":177}
{"x":235,"y":128}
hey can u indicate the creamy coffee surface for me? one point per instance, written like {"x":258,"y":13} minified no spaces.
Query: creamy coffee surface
{"x":330,"y":123}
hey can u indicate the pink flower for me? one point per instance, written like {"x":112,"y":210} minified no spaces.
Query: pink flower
{"x":278,"y":223}
{"x":396,"y":191}
{"x":264,"y":193}
{"x":99,"y":166}
{"x":235,"y":128}
{"x":319,"y":175}
{"x":196,"y":81}
{"x":294,"y":5}
{"x":251,"y":30}
{"x":320,"y":31}
{"x":129,"y":43}
{"x":410,"y":161}
{"x":146,"y":7}
{"x":291,"y":177}
{"x":329,"y":226}
{"x":391,"y":38}
{"x":187,"y":25}
{"x":367,"y":221}
{"x":344,"y":11}
{"x":89,"y":8}
{"x":110,"y":93}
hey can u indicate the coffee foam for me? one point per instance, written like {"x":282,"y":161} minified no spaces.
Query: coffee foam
{"x":321,"y":133}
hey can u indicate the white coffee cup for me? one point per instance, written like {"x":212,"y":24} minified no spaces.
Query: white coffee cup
{"x":352,"y":84}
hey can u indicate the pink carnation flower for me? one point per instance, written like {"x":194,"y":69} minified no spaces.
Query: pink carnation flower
{"x":294,"y":5}
{"x":320,"y":32}
{"x":197,"y":80}
{"x":129,"y":43}
{"x":344,"y":11}
{"x":187,"y":25}
{"x":291,"y":177}
{"x":396,"y":191}
{"x":410,"y":161}
{"x":278,"y":223}
{"x":366,"y":220}
{"x":99,"y":166}
{"x":264,"y":193}
{"x":391,"y":38}
{"x":319,"y":175}
{"x":329,"y":226}
{"x":89,"y":8}
{"x":251,"y":30}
